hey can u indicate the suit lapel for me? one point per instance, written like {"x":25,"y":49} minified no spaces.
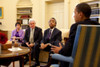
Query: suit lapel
{"x":47,"y":33}
{"x":34,"y":33}
{"x":29,"y":32}
{"x":53,"y":33}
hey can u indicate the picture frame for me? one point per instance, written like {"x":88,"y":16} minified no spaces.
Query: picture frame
{"x":1,"y":12}
{"x":25,"y":21}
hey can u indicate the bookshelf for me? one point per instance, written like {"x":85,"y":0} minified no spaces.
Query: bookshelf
{"x":23,"y":16}
{"x":95,"y":6}
{"x":24,"y":12}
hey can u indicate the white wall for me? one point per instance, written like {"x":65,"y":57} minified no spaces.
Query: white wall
{"x":55,"y":10}
{"x":9,"y":20}
{"x":62,"y":11}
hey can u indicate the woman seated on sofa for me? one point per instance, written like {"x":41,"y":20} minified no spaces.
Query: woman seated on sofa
{"x":18,"y":33}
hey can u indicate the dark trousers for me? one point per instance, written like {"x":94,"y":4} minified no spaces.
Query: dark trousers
{"x":64,"y":64}
{"x":34,"y":52}
{"x":53,"y":61}
{"x":48,"y":48}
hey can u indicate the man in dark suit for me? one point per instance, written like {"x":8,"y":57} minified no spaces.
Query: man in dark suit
{"x":51,"y":36}
{"x":82,"y":16}
{"x":32,"y":38}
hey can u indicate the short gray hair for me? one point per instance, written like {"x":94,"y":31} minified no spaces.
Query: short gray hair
{"x":30,"y":20}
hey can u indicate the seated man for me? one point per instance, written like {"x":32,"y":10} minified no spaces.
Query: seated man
{"x":32,"y":38}
{"x":82,"y":16}
{"x":51,"y":36}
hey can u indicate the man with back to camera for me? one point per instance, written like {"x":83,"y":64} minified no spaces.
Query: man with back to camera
{"x":82,"y":16}
{"x":32,"y":38}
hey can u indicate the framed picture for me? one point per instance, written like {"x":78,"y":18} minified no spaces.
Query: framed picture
{"x":1,"y":12}
{"x":25,"y":21}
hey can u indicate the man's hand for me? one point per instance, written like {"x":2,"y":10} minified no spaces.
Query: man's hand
{"x":43,"y":46}
{"x":31,"y":45}
{"x":56,"y":49}
{"x":27,"y":44}
{"x":14,"y":38}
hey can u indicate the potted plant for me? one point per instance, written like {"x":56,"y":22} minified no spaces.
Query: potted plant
{"x":3,"y":39}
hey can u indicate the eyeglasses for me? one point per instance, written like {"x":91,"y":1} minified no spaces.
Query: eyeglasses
{"x":31,"y":23}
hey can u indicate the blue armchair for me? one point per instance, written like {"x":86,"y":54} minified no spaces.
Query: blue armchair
{"x":86,"y":49}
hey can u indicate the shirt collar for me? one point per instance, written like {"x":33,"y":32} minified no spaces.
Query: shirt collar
{"x":32,"y":29}
{"x":18,"y":31}
{"x":52,"y":29}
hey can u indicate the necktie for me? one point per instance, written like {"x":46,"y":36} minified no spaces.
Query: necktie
{"x":49,"y":35}
{"x":31,"y":36}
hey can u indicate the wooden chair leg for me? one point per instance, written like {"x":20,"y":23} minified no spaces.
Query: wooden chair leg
{"x":22,"y":61}
{"x":13,"y":64}
{"x":30,"y":58}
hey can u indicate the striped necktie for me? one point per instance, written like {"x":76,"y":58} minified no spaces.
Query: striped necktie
{"x":49,"y":35}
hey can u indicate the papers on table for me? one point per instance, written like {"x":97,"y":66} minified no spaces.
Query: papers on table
{"x":15,"y":49}
{"x":16,"y":37}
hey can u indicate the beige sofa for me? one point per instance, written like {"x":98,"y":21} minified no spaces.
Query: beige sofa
{"x":43,"y":54}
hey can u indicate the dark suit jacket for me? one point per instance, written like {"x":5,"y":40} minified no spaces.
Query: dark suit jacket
{"x":37,"y":35}
{"x":67,"y":49}
{"x":56,"y":36}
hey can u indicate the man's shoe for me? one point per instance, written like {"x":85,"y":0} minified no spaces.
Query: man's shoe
{"x":48,"y":65}
{"x":36,"y":64}
{"x":25,"y":61}
{"x":45,"y":66}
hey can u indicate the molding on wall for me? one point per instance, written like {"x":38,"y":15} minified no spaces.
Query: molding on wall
{"x":24,"y":3}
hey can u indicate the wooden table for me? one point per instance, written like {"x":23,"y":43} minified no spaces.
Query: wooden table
{"x":6,"y":56}
{"x":9,"y":45}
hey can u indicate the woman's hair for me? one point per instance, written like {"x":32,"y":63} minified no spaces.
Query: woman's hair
{"x":17,"y":23}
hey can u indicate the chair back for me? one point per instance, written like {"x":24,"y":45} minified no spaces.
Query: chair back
{"x":86,"y":49}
